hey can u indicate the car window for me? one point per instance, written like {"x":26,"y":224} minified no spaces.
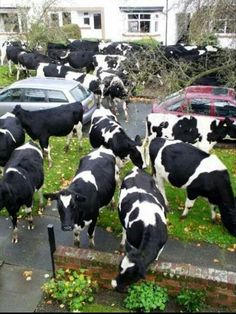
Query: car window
{"x":175,"y":106}
{"x":11,"y":95}
{"x":224,"y":108}
{"x":79,"y":93}
{"x":200,"y":106}
{"x":34,"y":95}
{"x":56,"y":96}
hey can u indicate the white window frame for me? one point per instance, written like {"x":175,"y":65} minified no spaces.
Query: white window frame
{"x":226,"y":22}
{"x":137,"y":21}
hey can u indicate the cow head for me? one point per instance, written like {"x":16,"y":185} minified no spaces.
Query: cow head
{"x":68,"y":204}
{"x":231,"y":127}
{"x":137,"y":153}
{"x":219,"y":131}
{"x":16,"y":110}
{"x":131,"y":269}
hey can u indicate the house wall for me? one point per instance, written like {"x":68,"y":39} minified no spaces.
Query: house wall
{"x":114,"y":22}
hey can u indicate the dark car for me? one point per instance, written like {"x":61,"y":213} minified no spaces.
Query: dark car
{"x":200,"y":100}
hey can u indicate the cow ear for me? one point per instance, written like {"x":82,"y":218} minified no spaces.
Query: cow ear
{"x":52,"y":196}
{"x":138,"y":140}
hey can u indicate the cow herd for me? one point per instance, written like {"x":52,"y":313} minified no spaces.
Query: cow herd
{"x":142,"y":206}
{"x":178,"y":152}
{"x":103,"y":67}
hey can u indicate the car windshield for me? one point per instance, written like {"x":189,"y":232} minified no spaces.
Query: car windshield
{"x":172,"y":97}
{"x":79,"y":93}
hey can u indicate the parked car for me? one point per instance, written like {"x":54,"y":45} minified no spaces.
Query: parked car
{"x":36,"y":93}
{"x":212,"y":101}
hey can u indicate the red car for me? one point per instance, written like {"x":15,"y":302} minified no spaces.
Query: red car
{"x":200,"y":100}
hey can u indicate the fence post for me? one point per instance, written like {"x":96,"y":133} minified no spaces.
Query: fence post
{"x":52,"y":245}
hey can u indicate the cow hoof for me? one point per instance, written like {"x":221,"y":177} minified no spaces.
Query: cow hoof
{"x":14,"y":240}
{"x":66,"y":149}
{"x":30,"y":227}
{"x":182,"y":217}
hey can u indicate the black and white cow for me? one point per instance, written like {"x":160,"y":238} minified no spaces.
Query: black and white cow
{"x":201,"y":131}
{"x":58,"y":121}
{"x":142,"y":212}
{"x":30,"y":61}
{"x":114,"y":48}
{"x":12,"y":135}
{"x":13,"y":49}
{"x":23,"y":175}
{"x":231,"y":129}
{"x":107,"y":62}
{"x":201,"y":174}
{"x":105,"y":130}
{"x":92,"y":187}
{"x":80,"y":60}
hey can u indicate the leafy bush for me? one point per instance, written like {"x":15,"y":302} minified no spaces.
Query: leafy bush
{"x":71,"y":288}
{"x":146,"y":297}
{"x":71,"y":31}
{"x":191,"y":300}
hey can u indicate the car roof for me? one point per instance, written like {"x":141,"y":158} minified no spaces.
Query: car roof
{"x":46,"y":82}
{"x":209,"y":91}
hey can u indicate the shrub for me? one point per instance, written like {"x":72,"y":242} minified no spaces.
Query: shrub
{"x":70,"y":288}
{"x":191,"y":300}
{"x":71,"y":31}
{"x":146,"y":297}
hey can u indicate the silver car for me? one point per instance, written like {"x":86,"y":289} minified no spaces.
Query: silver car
{"x":36,"y":93}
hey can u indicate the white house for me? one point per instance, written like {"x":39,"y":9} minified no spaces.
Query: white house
{"x":105,"y":19}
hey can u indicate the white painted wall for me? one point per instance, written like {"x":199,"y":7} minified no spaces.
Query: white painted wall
{"x":114,"y":22}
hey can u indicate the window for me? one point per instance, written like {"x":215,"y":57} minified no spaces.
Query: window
{"x":56,"y":96}
{"x":97,"y":21}
{"x":54,"y":19}
{"x":34,"y":95}
{"x":225,"y":26}
{"x":225,"y":109}
{"x":66,"y":18}
{"x":9,"y":22}
{"x":176,"y":105}
{"x":200,"y":106}
{"x":139,"y":23}
{"x":86,"y":18}
{"x":79,"y":93}
{"x":11,"y":95}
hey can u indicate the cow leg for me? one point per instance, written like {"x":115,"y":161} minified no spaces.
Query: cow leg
{"x":79,"y":133}
{"x":77,"y":230}
{"x":124,"y":106}
{"x":15,"y":229}
{"x":145,"y":146}
{"x":122,"y":242}
{"x":160,"y":185}
{"x":46,"y":153}
{"x":68,"y":140}
{"x":9,"y":67}
{"x":40,"y":193}
{"x":91,"y":232}
{"x":44,"y":144}
{"x":213,"y":213}
{"x":29,"y":218}
{"x":188,"y":205}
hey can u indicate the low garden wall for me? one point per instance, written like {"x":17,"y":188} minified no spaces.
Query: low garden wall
{"x":220,"y":286}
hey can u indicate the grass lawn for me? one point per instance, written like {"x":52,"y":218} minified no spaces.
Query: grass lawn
{"x":196,"y":227}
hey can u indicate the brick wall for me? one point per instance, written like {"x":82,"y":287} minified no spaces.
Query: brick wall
{"x":220,"y":286}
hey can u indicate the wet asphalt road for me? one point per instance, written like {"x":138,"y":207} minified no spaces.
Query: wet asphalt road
{"x":137,"y":112}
